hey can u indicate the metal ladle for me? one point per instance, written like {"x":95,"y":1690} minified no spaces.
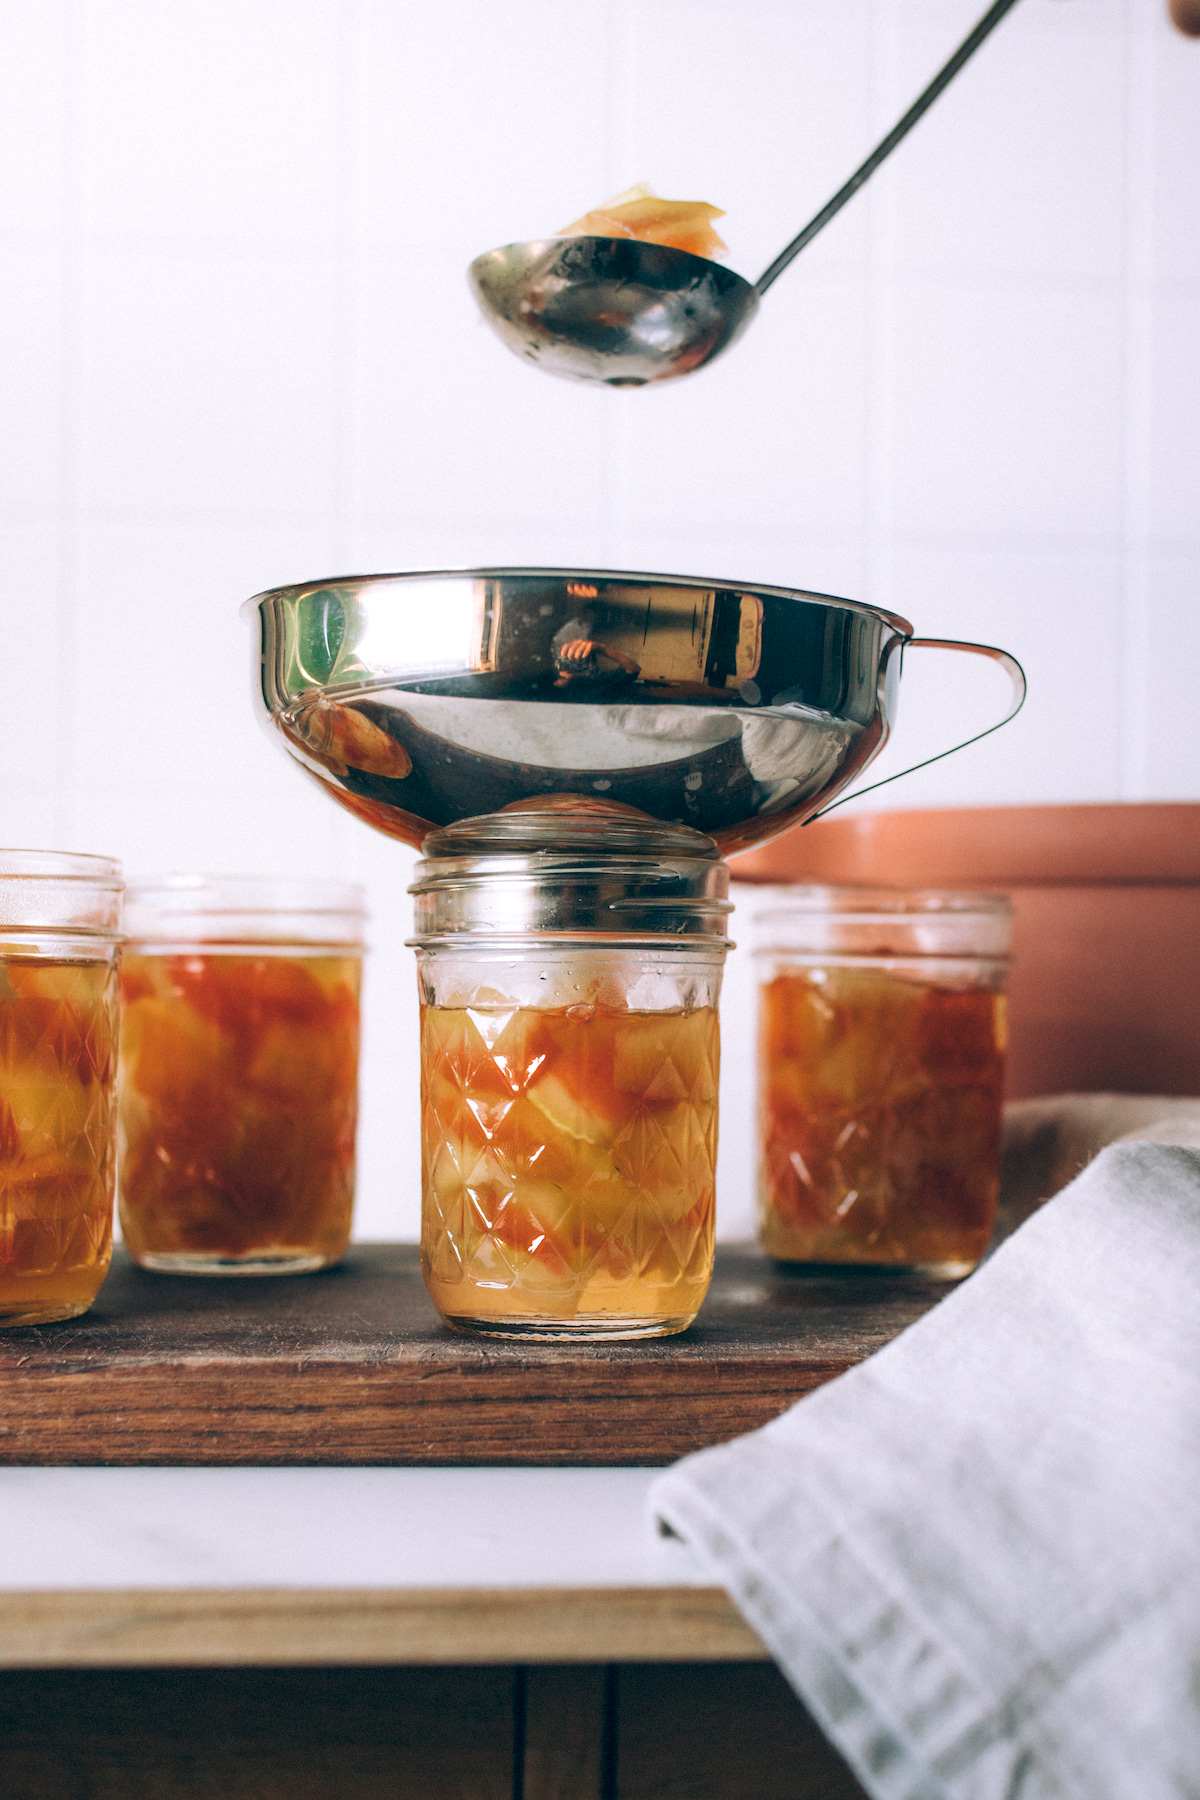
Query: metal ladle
{"x":623,"y":312}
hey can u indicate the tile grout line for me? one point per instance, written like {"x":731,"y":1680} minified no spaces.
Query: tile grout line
{"x":347,"y":476}
{"x":71,"y":418}
{"x":1133,"y":774}
{"x":341,"y":832}
{"x":880,"y":320}
{"x":619,"y":46}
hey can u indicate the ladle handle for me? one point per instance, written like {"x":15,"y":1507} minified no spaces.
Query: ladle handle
{"x":1012,"y":669}
{"x":900,"y":129}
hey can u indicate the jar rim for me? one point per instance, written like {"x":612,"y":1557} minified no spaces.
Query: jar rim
{"x":60,"y":865}
{"x":288,"y":944}
{"x":510,"y":943}
{"x":212,"y":912}
{"x":250,"y":893}
{"x":59,"y":891}
{"x":862,"y":903}
{"x":882,"y":958}
{"x":564,"y":826}
{"x":570,"y":864}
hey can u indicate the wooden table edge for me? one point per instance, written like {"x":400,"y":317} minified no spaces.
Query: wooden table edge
{"x":209,"y":1627}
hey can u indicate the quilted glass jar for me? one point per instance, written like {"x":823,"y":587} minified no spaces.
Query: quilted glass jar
{"x":882,"y":1034}
{"x":569,"y":960}
{"x":60,"y":918}
{"x":239,"y":1073}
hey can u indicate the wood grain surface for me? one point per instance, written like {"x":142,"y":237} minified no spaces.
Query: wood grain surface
{"x":352,"y":1366}
{"x":247,"y":1627}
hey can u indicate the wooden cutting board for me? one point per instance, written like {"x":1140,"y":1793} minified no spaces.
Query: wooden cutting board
{"x":353,"y":1366}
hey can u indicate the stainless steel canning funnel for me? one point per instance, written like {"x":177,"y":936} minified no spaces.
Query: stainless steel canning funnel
{"x":421,"y":699}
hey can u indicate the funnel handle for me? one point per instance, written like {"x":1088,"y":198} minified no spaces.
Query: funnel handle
{"x":1012,"y":669}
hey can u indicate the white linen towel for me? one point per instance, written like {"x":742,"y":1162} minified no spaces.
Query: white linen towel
{"x":976,"y":1556}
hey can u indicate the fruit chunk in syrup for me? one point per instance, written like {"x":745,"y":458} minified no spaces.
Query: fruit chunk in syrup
{"x":880,"y":1118}
{"x":569,"y":1161}
{"x":57,"y":1135}
{"x":239,"y":1089}
{"x":640,"y":213}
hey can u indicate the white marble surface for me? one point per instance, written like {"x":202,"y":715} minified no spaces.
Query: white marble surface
{"x":223,"y":1528}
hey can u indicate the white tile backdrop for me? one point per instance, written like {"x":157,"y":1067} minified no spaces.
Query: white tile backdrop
{"x":237,"y":349}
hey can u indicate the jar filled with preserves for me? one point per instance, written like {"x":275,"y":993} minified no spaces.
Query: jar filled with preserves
{"x":60,"y":926}
{"x":569,"y":962}
{"x":239,"y":1073}
{"x":881,"y":1071}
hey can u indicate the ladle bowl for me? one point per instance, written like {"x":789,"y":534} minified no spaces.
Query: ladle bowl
{"x":420,"y":699}
{"x":612,"y":310}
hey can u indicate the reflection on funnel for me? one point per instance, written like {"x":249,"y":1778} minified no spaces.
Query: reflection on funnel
{"x":428,"y":637}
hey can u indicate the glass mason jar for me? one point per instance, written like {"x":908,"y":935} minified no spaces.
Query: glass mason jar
{"x":239,"y":1073}
{"x":881,"y":1069}
{"x":569,"y":961}
{"x":60,"y":924}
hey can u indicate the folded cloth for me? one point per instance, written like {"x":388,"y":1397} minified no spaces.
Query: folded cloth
{"x":975,"y":1556}
{"x":1048,"y":1141}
